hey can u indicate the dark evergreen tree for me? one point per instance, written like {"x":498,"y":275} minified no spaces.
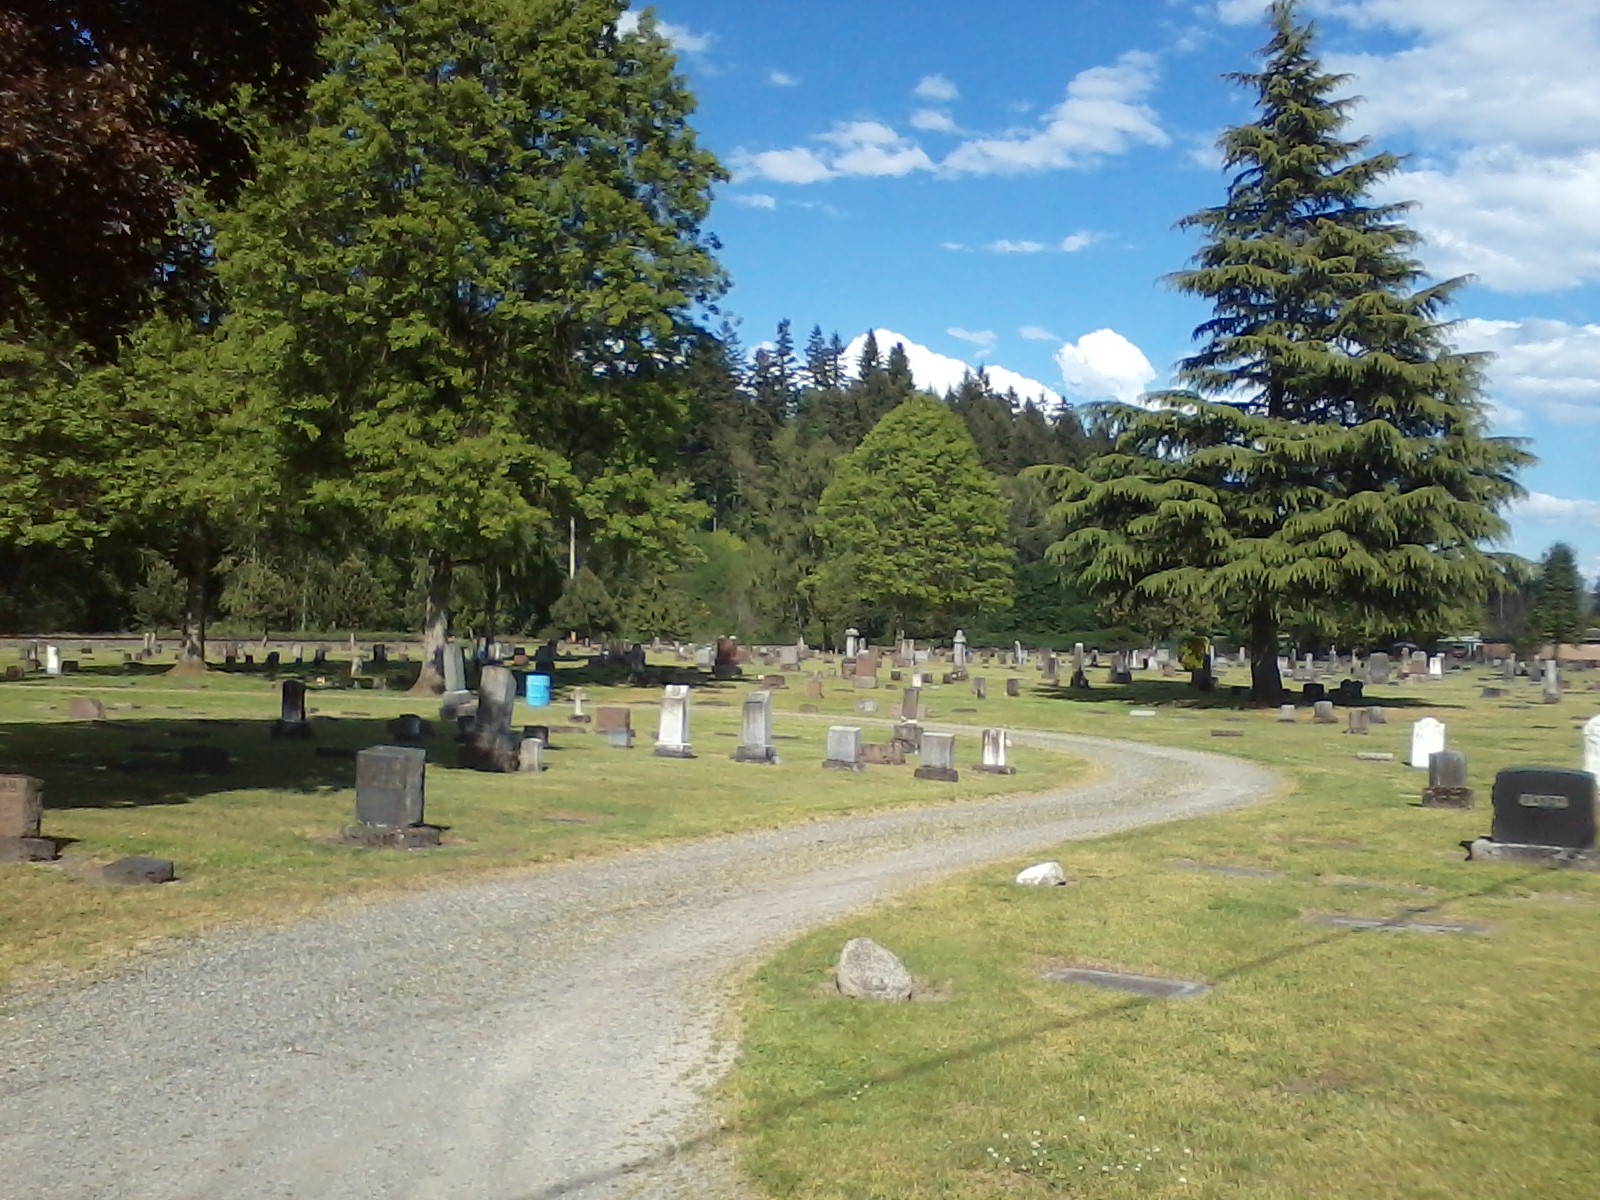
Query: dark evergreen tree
{"x":1557,"y":616}
{"x":1328,"y":455}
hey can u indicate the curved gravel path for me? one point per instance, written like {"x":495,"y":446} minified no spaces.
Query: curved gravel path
{"x":545,"y":1036}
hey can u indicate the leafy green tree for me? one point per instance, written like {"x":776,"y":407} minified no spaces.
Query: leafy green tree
{"x":470,"y":274}
{"x":914,"y":527}
{"x":585,"y":607}
{"x":1328,"y":455}
{"x":257,"y":593}
{"x":1557,"y":616}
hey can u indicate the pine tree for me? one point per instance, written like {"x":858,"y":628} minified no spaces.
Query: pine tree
{"x":1327,"y":457}
{"x":1557,"y":616}
{"x":585,"y":607}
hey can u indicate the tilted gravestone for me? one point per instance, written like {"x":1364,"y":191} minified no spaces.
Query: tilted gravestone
{"x":908,"y":736}
{"x":938,"y":758}
{"x":1544,"y":808}
{"x":492,"y":746}
{"x":291,"y":722}
{"x":1447,"y":781}
{"x":996,"y":753}
{"x":844,"y":749}
{"x":672,"y":736}
{"x":390,"y":785}
{"x":755,"y":744}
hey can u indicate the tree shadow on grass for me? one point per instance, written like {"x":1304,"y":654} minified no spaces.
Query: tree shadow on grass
{"x":1179,"y":693}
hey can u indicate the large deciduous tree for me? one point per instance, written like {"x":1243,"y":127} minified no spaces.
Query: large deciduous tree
{"x":914,"y":527}
{"x":471,"y":274}
{"x":1327,"y":456}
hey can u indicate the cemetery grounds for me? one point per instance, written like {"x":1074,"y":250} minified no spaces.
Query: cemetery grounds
{"x":1463,"y":1060}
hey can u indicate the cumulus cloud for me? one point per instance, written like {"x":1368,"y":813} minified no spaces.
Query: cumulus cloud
{"x":1105,"y":365}
{"x":755,"y":200}
{"x":1546,"y":368}
{"x":1542,"y":509}
{"x":782,"y":79}
{"x":932,"y":120}
{"x":1070,"y":244}
{"x":799,"y":164}
{"x":983,"y":339}
{"x":682,"y":39}
{"x":1103,"y":113}
{"x":858,"y":148}
{"x":936,"y":88}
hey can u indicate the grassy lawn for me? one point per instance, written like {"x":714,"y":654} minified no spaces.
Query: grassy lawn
{"x":258,"y":844}
{"x":1326,"y":1062}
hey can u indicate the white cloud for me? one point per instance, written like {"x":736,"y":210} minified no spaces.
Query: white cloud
{"x":755,"y":200}
{"x":782,"y":79}
{"x":939,"y":373}
{"x":1070,"y":244}
{"x":679,"y":37}
{"x":1548,"y":368}
{"x":933,"y":120}
{"x":983,"y":339}
{"x":936,"y":88}
{"x":1542,"y":509}
{"x":859,"y":148}
{"x":1105,"y":365}
{"x":1103,"y":113}
{"x":1081,"y":240}
{"x":1036,"y":333}
{"x":1007,"y":246}
{"x":956,"y":246}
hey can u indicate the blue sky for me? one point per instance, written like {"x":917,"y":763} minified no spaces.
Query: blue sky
{"x":999,"y":182}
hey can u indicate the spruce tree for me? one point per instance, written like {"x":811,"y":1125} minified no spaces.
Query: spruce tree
{"x":1327,"y":456}
{"x":1558,"y":600}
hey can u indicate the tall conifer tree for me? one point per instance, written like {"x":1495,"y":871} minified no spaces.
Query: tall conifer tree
{"x":1327,"y":457}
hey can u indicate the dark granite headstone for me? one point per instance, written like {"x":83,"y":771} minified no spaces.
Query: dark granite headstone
{"x":409,"y":729}
{"x":1544,"y":806}
{"x":272,"y":660}
{"x":292,"y":721}
{"x":389,"y":786}
{"x":492,"y":746}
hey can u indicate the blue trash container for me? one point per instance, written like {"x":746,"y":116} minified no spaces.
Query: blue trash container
{"x":538,"y":691}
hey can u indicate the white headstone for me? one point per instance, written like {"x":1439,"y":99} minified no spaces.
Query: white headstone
{"x":959,"y":654}
{"x":1591,"y":746}
{"x":844,"y":748}
{"x":672,"y":737}
{"x":1436,"y":667}
{"x":996,"y":752}
{"x":52,"y":659}
{"x":1427,"y":738}
{"x":852,"y":642}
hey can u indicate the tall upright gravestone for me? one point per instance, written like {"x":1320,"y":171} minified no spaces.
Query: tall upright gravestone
{"x":390,"y":788}
{"x":491,"y":745}
{"x":21,"y":812}
{"x":672,"y":737}
{"x":755,"y":744}
{"x":291,"y":722}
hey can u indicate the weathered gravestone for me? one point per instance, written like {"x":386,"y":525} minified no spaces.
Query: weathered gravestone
{"x":1377,"y":715}
{"x":938,"y":758}
{"x":672,"y":732}
{"x":908,"y":736}
{"x":1552,"y":682}
{"x":1322,"y":712}
{"x":755,"y":742}
{"x":844,"y":749}
{"x":616,"y":724}
{"x":21,"y":811}
{"x":1543,"y":815}
{"x":814,"y":689}
{"x":996,"y":753}
{"x":1447,"y":781}
{"x":390,"y":784}
{"x":291,"y":722}
{"x":1359,"y":721}
{"x":1286,"y":714}
{"x":1013,"y":687}
{"x":530,"y":755}
{"x":52,"y":660}
{"x":911,"y":704}
{"x":492,"y":746}
{"x":726,"y":663}
{"x":1591,"y":746}
{"x":1427,"y":739}
{"x":408,"y":729}
{"x":980,"y":688}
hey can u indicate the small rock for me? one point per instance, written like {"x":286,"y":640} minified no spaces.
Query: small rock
{"x":138,"y":869}
{"x":1045,"y":874}
{"x":867,"y":971}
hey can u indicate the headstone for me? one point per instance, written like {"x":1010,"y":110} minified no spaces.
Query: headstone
{"x":579,"y":699}
{"x":273,"y":660}
{"x":85,"y":708}
{"x":852,"y":643}
{"x":996,"y":753}
{"x":726,"y":663}
{"x":21,"y":806}
{"x":1427,"y":739}
{"x":1013,"y":687}
{"x":1018,"y":657}
{"x":867,"y":971}
{"x":1552,"y":682}
{"x":938,"y":758}
{"x":1045,"y":874}
{"x":319,"y":658}
{"x":530,"y":755}
{"x":1418,"y":663}
{"x":844,"y":749}
{"x":883,"y":754}
{"x":390,"y":786}
{"x":1508,"y":668}
{"x":1377,"y":715}
{"x":52,"y":660}
{"x":672,"y":737}
{"x":959,"y":651}
{"x":1286,"y":714}
{"x":1313,"y":693}
{"x":408,"y":729}
{"x":1436,"y":666}
{"x":814,"y":689}
{"x":454,"y":668}
{"x":380,"y":655}
{"x":755,"y":743}
{"x":492,"y":746}
{"x":867,"y":707}
{"x":1591,"y":746}
{"x":980,"y":688}
{"x":911,"y":704}
{"x":1447,"y":781}
{"x":291,"y":722}
{"x":617,"y":726}
{"x":908,"y":736}
{"x":1322,"y":713}
{"x":1359,"y":722}
{"x":1541,"y":806}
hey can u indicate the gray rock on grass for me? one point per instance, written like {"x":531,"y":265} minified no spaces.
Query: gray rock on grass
{"x":867,"y":971}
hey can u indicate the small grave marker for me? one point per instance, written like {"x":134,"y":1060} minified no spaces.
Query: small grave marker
{"x":996,"y":753}
{"x":755,"y":746}
{"x":1148,"y":986}
{"x":1447,"y":781}
{"x":844,"y":749}
{"x":938,"y":758}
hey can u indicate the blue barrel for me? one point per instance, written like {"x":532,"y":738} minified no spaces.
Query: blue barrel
{"x":538,"y":691}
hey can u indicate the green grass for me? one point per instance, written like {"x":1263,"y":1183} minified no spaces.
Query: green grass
{"x":259,"y":843}
{"x":1326,"y":1063}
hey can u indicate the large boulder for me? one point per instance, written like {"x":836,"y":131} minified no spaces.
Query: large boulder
{"x":867,"y":971}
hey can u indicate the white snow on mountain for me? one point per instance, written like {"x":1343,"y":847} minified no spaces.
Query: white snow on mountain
{"x":939,"y":373}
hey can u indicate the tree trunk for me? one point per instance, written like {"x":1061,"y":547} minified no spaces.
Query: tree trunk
{"x":491,"y":601}
{"x":192,"y":648}
{"x":435,"y":625}
{"x":1265,"y":682}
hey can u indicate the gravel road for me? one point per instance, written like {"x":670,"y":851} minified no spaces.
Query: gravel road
{"x":544,"y":1036}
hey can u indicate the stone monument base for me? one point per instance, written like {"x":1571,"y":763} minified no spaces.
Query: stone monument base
{"x":989,"y":770}
{"x":28,"y":849}
{"x":291,"y":729}
{"x":756,"y":754}
{"x":674,"y":750}
{"x":405,"y":837}
{"x":1446,"y":797}
{"x":941,"y":774}
{"x":839,"y":764}
{"x":1489,"y":850}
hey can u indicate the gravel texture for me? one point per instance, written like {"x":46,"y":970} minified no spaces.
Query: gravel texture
{"x":545,"y":1036}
